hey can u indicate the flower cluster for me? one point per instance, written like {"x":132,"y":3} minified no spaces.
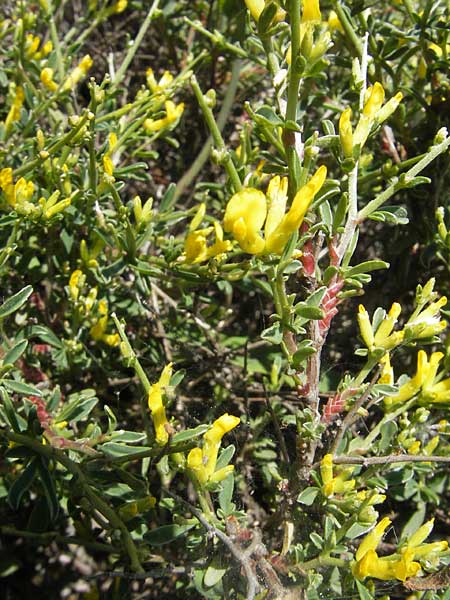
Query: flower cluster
{"x":403,"y":563}
{"x":249,"y":209}
{"x":201,"y":462}
{"x":426,"y":384}
{"x":19,"y":197}
{"x":425,"y":322}
{"x":88,"y":305}
{"x":372,"y":115}
{"x":341,"y":489}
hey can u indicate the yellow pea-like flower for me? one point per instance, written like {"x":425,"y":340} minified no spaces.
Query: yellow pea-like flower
{"x":46,"y":78}
{"x":156,"y":406}
{"x":346,"y":132}
{"x":310,"y":11}
{"x":213,"y":438}
{"x":78,"y":73}
{"x":244,"y":217}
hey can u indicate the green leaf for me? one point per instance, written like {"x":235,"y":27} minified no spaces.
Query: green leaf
{"x":414,"y":522}
{"x":15,"y":302}
{"x":15,"y":352}
{"x":128,"y":437}
{"x":226,"y":494}
{"x":79,"y":407}
{"x":305,"y":349}
{"x":49,"y":490}
{"x":167,"y":533}
{"x":22,"y":388}
{"x":10,"y":413}
{"x":46,"y":335}
{"x":308,"y":312}
{"x":287,"y":253}
{"x":307,"y":496}
{"x":115,"y":449}
{"x":213,"y":574}
{"x":22,"y":484}
{"x":225,"y":456}
{"x":112,"y":419}
{"x":189,"y":434}
{"x":363,"y":592}
{"x":316,"y":539}
{"x":366,"y":267}
{"x":273,"y":334}
{"x":168,"y":200}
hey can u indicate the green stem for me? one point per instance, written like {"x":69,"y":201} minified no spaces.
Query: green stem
{"x":54,"y":147}
{"x":347,"y":26}
{"x":434,"y":152}
{"x":217,"y":136}
{"x":97,"y":501}
{"x":289,"y":137}
{"x":225,"y":110}
{"x":323,"y":561}
{"x":56,"y":44}
{"x":131,"y":356}
{"x":134,"y":48}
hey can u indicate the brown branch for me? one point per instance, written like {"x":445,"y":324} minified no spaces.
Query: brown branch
{"x":387,"y":460}
{"x":239,"y":555}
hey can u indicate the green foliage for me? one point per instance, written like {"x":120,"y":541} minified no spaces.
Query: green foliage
{"x":188,"y":392}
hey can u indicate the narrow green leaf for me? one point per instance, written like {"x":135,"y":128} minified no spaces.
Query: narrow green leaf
{"x":189,"y":434}
{"x":167,"y":533}
{"x":15,"y":352}
{"x":9,"y":410}
{"x":15,"y":302}
{"x":366,"y":267}
{"x":22,"y":484}
{"x":49,"y":489}
{"x":21,"y":388}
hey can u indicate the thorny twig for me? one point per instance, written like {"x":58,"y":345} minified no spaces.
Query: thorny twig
{"x":241,"y":557}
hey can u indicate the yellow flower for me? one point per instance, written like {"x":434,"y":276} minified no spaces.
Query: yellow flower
{"x":158,"y":86}
{"x":257,"y":6}
{"x":78,"y":73}
{"x":346,"y":132}
{"x":334,"y":22}
{"x":98,"y":330}
{"x":17,"y":195}
{"x":384,"y":336}
{"x":156,"y":406}
{"x":334,"y":484}
{"x":374,"y":112}
{"x":14,"y":112}
{"x":427,"y":322}
{"x":365,"y":327}
{"x":374,"y":100}
{"x":76,"y":282}
{"x":310,"y":11}
{"x":120,"y":6}
{"x":248,"y":209}
{"x":387,"y":373}
{"x":202,"y":462}
{"x":108,"y":164}
{"x":46,"y":78}
{"x":196,"y":249}
{"x":244,"y":217}
{"x":173,"y":113}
